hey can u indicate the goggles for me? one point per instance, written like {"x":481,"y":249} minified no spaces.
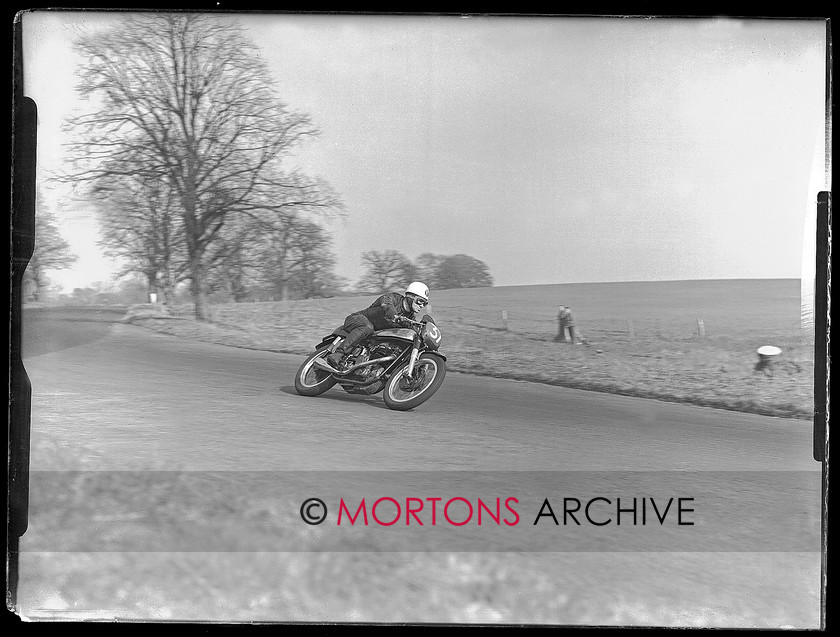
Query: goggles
{"x":420,"y":302}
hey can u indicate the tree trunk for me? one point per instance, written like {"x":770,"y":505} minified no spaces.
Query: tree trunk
{"x":168,"y":292}
{"x":37,"y":280}
{"x":150,"y":287}
{"x":195,"y":249}
{"x":199,"y":297}
{"x":198,"y":287}
{"x":40,"y":285}
{"x":166,"y":287}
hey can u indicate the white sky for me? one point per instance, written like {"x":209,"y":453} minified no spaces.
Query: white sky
{"x":556,"y":150}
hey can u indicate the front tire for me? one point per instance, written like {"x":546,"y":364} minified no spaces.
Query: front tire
{"x":311,"y":380}
{"x":403,"y":393}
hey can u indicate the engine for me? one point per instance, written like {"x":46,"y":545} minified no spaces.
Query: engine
{"x":386,"y":348}
{"x":380,"y":350}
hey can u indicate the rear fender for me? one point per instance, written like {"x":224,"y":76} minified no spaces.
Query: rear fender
{"x":331,"y":341}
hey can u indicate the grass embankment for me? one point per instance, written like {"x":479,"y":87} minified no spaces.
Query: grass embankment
{"x":713,"y":371}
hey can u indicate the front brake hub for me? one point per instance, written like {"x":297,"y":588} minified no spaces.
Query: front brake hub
{"x":410,"y":383}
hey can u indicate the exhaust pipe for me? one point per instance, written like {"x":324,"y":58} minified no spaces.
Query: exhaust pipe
{"x":384,"y":359}
{"x":326,"y":366}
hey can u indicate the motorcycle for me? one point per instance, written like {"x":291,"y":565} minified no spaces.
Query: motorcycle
{"x":402,"y":361}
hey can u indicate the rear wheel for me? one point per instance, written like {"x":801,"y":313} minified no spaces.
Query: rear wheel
{"x":403,"y":392}
{"x":311,"y":380}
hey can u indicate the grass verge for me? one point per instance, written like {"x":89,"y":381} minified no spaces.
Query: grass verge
{"x":717,"y":372}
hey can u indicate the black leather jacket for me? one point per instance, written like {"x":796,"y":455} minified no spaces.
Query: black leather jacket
{"x":382,"y":312}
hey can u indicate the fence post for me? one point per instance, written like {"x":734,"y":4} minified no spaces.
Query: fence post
{"x":504,"y":320}
{"x":631,"y":330}
{"x":701,"y":328}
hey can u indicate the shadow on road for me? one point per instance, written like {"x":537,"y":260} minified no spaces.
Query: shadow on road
{"x":340,"y":395}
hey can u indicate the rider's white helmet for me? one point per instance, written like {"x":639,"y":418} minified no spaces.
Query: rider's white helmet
{"x":418,"y":289}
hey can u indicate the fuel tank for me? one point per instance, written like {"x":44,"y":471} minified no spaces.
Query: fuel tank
{"x":398,"y":332}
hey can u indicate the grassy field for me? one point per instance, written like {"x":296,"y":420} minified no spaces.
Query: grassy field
{"x":690,"y":342}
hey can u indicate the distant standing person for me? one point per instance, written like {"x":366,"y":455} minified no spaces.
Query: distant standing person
{"x":565,"y":320}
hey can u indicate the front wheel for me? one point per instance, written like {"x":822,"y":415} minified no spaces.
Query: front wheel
{"x":403,"y":392}
{"x":311,"y":380}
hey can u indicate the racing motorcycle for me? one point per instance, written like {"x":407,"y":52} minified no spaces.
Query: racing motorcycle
{"x":402,"y":361}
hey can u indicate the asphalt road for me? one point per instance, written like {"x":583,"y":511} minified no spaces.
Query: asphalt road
{"x":109,"y":397}
{"x":198,"y":406}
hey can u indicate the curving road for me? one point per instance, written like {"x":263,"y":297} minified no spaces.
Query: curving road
{"x":198,"y":406}
{"x":110,"y":397}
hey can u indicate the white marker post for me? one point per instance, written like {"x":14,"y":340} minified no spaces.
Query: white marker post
{"x":767,"y":355}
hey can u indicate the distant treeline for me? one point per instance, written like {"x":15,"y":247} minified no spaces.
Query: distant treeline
{"x":390,"y":270}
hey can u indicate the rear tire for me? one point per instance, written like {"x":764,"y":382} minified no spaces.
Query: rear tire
{"x":311,"y":380}
{"x":402,"y":393}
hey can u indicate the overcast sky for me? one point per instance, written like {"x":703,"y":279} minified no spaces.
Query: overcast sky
{"x":556,"y":150}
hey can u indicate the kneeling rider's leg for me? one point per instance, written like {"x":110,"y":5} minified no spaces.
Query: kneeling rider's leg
{"x":359,"y":328}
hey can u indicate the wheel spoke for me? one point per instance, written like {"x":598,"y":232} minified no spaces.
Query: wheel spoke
{"x":314,"y":375}
{"x":406,"y":388}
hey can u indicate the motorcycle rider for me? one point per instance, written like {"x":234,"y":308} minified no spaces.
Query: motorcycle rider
{"x":389,"y":310}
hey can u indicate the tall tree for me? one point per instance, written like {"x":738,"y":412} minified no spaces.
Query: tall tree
{"x":313,"y":264}
{"x":293,"y":257}
{"x":386,"y":270}
{"x":51,"y":252}
{"x":463,"y":271}
{"x":187,"y":96}
{"x":427,"y":265}
{"x":138,"y":224}
{"x":233,"y":258}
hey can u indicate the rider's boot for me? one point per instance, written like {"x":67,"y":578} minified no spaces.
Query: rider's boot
{"x":348,"y":345}
{"x":335,"y":361}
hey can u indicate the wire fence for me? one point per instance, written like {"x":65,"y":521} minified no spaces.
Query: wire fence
{"x":609,"y":328}
{"x":676,"y":325}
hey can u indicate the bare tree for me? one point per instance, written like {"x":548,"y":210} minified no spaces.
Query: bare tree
{"x":386,"y":270}
{"x":463,"y":271}
{"x":139,"y":225}
{"x":312,"y":266}
{"x":235,"y":257}
{"x":293,"y":255}
{"x":187,"y":96}
{"x":427,"y":265}
{"x":51,"y":252}
{"x":276,"y":247}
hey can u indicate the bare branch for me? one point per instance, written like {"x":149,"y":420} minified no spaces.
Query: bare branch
{"x":185,"y":100}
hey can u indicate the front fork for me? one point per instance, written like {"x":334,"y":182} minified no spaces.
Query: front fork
{"x":415,"y":352}
{"x":411,"y":361}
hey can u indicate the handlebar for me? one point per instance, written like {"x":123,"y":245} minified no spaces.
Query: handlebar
{"x":405,"y":319}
